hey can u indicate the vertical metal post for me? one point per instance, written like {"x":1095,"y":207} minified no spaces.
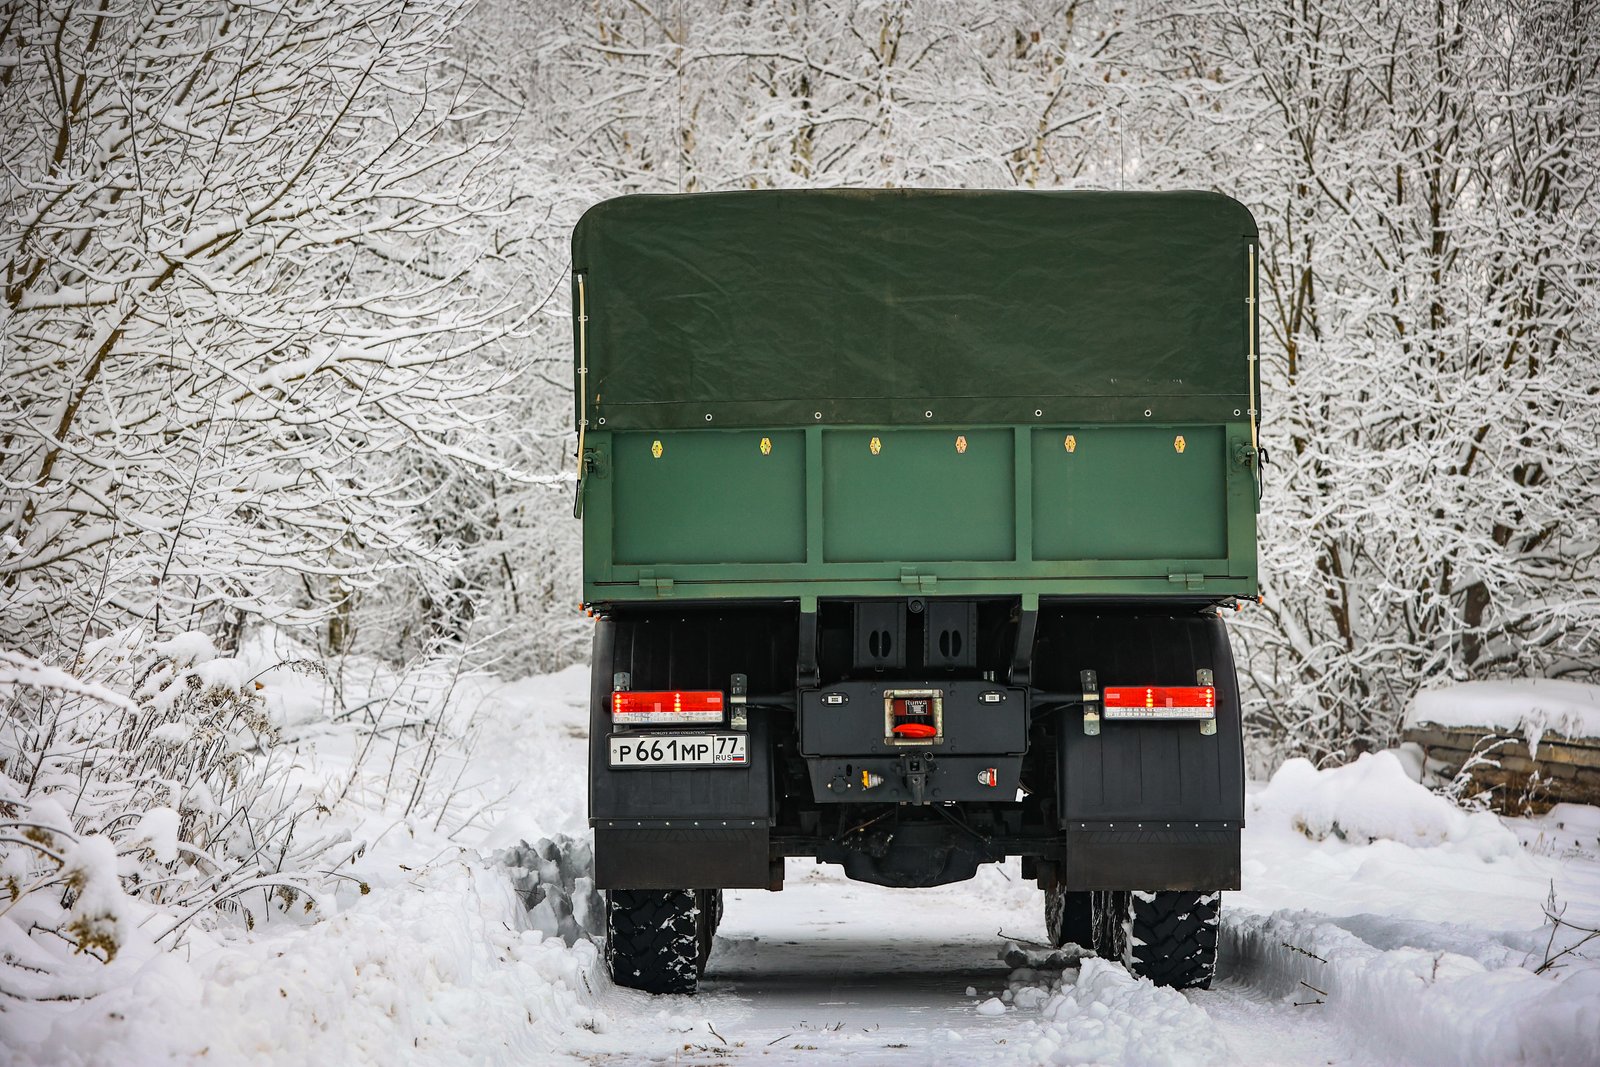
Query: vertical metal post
{"x":1250,"y":309}
{"x":583,"y":396}
{"x":814,"y":475}
{"x":583,"y":373}
{"x":1022,"y":512}
{"x":1089,"y":682}
{"x":1027,"y":626}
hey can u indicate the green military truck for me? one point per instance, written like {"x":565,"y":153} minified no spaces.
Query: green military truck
{"x":909,"y":517}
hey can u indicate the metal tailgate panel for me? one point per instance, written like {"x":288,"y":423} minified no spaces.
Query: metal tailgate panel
{"x":710,"y":497}
{"x":1130,"y":493}
{"x":918,"y":495}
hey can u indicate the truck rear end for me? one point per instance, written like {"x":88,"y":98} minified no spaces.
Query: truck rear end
{"x":908,"y":518}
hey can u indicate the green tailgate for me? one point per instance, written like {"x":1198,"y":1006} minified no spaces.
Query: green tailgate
{"x":1130,"y":493}
{"x":956,"y":510}
{"x":801,"y":394}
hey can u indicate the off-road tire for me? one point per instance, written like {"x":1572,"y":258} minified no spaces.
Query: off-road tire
{"x":1167,"y":937}
{"x":653,"y":939}
{"x":708,"y":905}
{"x":1069,"y":918}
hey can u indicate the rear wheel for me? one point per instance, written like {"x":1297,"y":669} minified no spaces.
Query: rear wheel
{"x":656,"y":939}
{"x":1069,"y":918}
{"x":708,"y":905}
{"x":1167,"y":937}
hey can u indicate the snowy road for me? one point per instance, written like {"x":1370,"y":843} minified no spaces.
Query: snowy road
{"x":831,"y":969}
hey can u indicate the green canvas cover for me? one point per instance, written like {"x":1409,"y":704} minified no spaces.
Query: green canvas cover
{"x":882,"y":307}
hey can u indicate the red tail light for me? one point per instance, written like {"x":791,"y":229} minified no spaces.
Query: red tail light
{"x":672,"y":705}
{"x":1159,"y":701}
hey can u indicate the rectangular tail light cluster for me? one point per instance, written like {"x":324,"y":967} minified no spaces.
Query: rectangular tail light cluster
{"x":643,"y":708}
{"x":1159,"y":701}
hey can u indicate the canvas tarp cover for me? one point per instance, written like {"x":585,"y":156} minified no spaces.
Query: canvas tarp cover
{"x":878,"y":307}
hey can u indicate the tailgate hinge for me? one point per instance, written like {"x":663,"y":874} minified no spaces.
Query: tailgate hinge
{"x":591,"y":465}
{"x":659,"y":586}
{"x":922,"y":583}
{"x":1190,"y":580}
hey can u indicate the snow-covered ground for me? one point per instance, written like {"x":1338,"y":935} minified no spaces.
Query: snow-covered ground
{"x":1377,"y":925}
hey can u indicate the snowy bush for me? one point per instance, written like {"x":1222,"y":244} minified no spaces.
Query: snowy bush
{"x":147,"y":784}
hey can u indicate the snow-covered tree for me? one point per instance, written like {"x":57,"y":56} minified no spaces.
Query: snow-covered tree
{"x":1424,"y":178}
{"x":282,"y":340}
{"x":238,"y":282}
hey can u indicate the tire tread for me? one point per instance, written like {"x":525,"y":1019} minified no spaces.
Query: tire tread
{"x":1169,"y":938}
{"x":1178,"y":931}
{"x":653,"y":939}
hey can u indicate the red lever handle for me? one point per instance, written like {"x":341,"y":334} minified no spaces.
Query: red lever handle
{"x":915,"y":729}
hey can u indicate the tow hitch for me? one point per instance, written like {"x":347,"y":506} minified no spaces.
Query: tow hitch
{"x":914,"y":770}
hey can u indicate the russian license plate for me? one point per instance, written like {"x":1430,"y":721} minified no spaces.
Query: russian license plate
{"x":678,"y":750}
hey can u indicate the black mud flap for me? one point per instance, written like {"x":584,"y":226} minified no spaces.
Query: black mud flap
{"x":671,"y":827}
{"x":1146,"y":805}
{"x":663,"y":857}
{"x":1149,"y":860}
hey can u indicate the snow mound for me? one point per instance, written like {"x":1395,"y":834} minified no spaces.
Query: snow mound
{"x":1419,"y":1005}
{"x":1375,"y":799}
{"x":438,"y":968}
{"x":1099,"y":1013}
{"x":1571,"y":830}
{"x":1529,"y":707}
{"x":555,"y":879}
{"x":294,"y":683}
